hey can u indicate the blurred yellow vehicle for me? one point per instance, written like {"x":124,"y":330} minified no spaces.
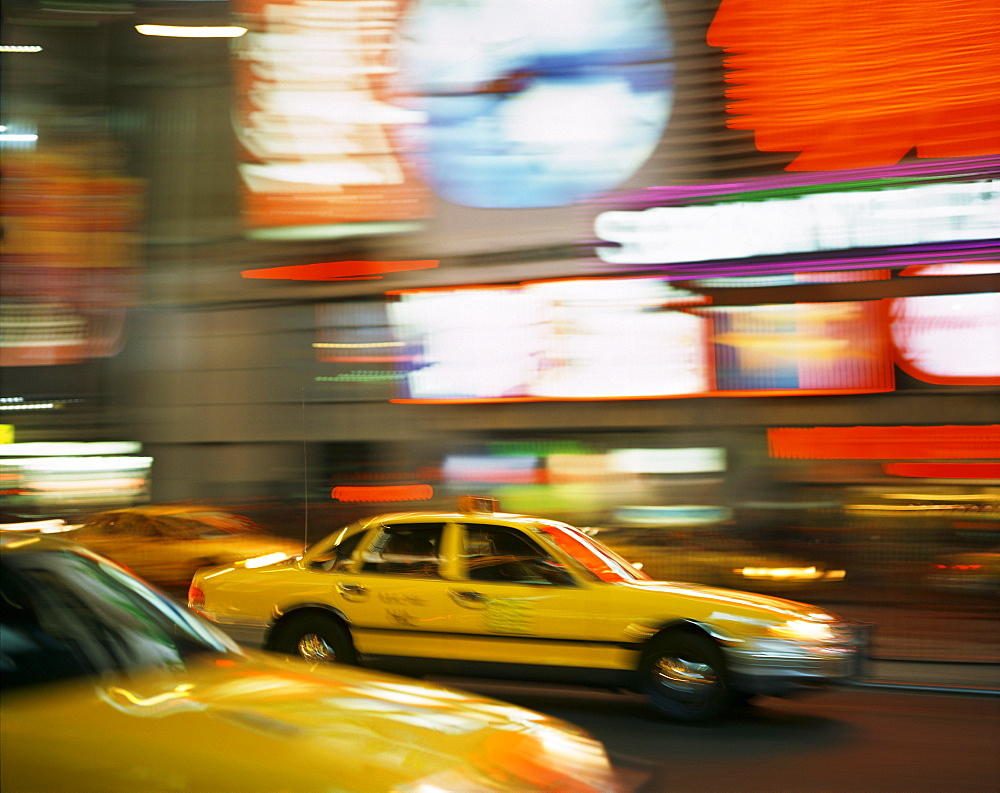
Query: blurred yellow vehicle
{"x":705,"y":557}
{"x":110,"y":686}
{"x":165,"y":543}
{"x":488,"y":594}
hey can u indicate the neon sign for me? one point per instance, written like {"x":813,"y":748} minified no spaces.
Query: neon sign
{"x":810,"y":223}
{"x":862,"y":84}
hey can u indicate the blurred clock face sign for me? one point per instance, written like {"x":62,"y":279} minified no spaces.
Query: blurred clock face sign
{"x":536,"y":103}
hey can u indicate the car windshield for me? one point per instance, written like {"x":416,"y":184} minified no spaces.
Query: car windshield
{"x":599,"y":560}
{"x":65,"y":615}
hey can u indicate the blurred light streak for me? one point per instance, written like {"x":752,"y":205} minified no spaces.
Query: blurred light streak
{"x":946,"y":442}
{"x":492,"y":470}
{"x":381,"y":493}
{"x":944,"y":470}
{"x":792,"y":279}
{"x":192,"y":31}
{"x":668,"y":461}
{"x":336,"y":271}
{"x":833,"y":221}
{"x":80,"y":464}
{"x":57,"y":449}
{"x":30,"y":405}
{"x":862,"y":85}
{"x":20,"y":48}
{"x":673,"y":515}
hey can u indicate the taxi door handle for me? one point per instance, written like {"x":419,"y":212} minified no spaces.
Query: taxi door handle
{"x":468,"y":597}
{"x":352,"y":591}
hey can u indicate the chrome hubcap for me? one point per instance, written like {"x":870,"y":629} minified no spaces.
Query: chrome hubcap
{"x":685,"y":677}
{"x":314,"y":648}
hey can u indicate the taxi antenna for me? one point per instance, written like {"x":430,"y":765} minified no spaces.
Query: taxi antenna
{"x":305,"y":477}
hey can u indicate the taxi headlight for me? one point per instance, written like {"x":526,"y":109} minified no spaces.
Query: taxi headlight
{"x":803,"y":631}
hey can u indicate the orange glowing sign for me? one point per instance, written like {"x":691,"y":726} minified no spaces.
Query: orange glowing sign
{"x":947,"y":442}
{"x":854,"y":85}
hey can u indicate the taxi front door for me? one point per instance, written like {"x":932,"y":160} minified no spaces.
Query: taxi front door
{"x":511,"y":602}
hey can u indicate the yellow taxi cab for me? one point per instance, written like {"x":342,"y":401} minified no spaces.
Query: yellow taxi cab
{"x":110,"y":686}
{"x":481,"y":593}
{"x":165,"y":543}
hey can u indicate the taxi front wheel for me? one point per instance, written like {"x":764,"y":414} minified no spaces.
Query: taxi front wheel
{"x":315,"y":638}
{"x":684,"y":676}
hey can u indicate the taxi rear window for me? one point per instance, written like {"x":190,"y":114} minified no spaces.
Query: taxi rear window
{"x":600,"y":561}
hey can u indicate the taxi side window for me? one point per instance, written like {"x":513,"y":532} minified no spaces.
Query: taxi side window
{"x":499,"y":553}
{"x":410,"y":549}
{"x":337,"y":557}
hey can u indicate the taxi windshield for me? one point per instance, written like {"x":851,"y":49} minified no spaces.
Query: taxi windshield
{"x":599,"y":560}
{"x":66,"y":615}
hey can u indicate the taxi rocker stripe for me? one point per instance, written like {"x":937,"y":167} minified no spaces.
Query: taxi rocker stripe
{"x":521,"y":637}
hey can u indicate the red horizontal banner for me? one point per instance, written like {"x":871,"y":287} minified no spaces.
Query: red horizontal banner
{"x":949,"y":442}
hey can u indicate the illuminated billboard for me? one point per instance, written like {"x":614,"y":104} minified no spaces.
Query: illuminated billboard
{"x":948,"y":339}
{"x":923,"y":213}
{"x":630,"y":338}
{"x":69,"y":262}
{"x":535,"y":104}
{"x":322,"y":137}
{"x":805,"y":348}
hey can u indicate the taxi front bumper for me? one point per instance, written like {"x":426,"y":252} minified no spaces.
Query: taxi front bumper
{"x":779,"y":667}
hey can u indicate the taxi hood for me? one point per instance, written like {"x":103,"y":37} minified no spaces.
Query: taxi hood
{"x":263,"y":723}
{"x":717,"y":597}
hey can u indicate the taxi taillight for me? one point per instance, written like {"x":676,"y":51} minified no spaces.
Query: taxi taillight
{"x":196,"y":596}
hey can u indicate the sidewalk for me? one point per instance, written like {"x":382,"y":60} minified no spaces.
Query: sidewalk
{"x":922,"y":651}
{"x":921,"y":676}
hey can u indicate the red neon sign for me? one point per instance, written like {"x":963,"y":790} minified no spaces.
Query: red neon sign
{"x":855,"y":85}
{"x":949,"y":442}
{"x":379,"y":493}
{"x":338,"y":271}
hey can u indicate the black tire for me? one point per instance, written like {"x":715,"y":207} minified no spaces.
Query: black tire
{"x":684,"y":676}
{"x":315,"y":638}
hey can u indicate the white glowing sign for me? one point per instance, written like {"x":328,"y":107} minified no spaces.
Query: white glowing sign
{"x":583,"y":339}
{"x":815,"y":222}
{"x":948,"y":339}
{"x":669,"y":461}
{"x":319,"y":130}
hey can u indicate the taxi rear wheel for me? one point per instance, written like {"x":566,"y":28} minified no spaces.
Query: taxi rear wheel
{"x":315,"y":638}
{"x":684,"y":676}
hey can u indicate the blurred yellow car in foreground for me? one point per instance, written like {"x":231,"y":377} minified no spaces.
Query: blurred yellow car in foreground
{"x":109,"y":686}
{"x":488,"y":594}
{"x":165,"y":543}
{"x":713,"y":558}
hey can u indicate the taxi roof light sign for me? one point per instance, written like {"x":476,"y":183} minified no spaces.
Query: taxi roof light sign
{"x":478,"y":504}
